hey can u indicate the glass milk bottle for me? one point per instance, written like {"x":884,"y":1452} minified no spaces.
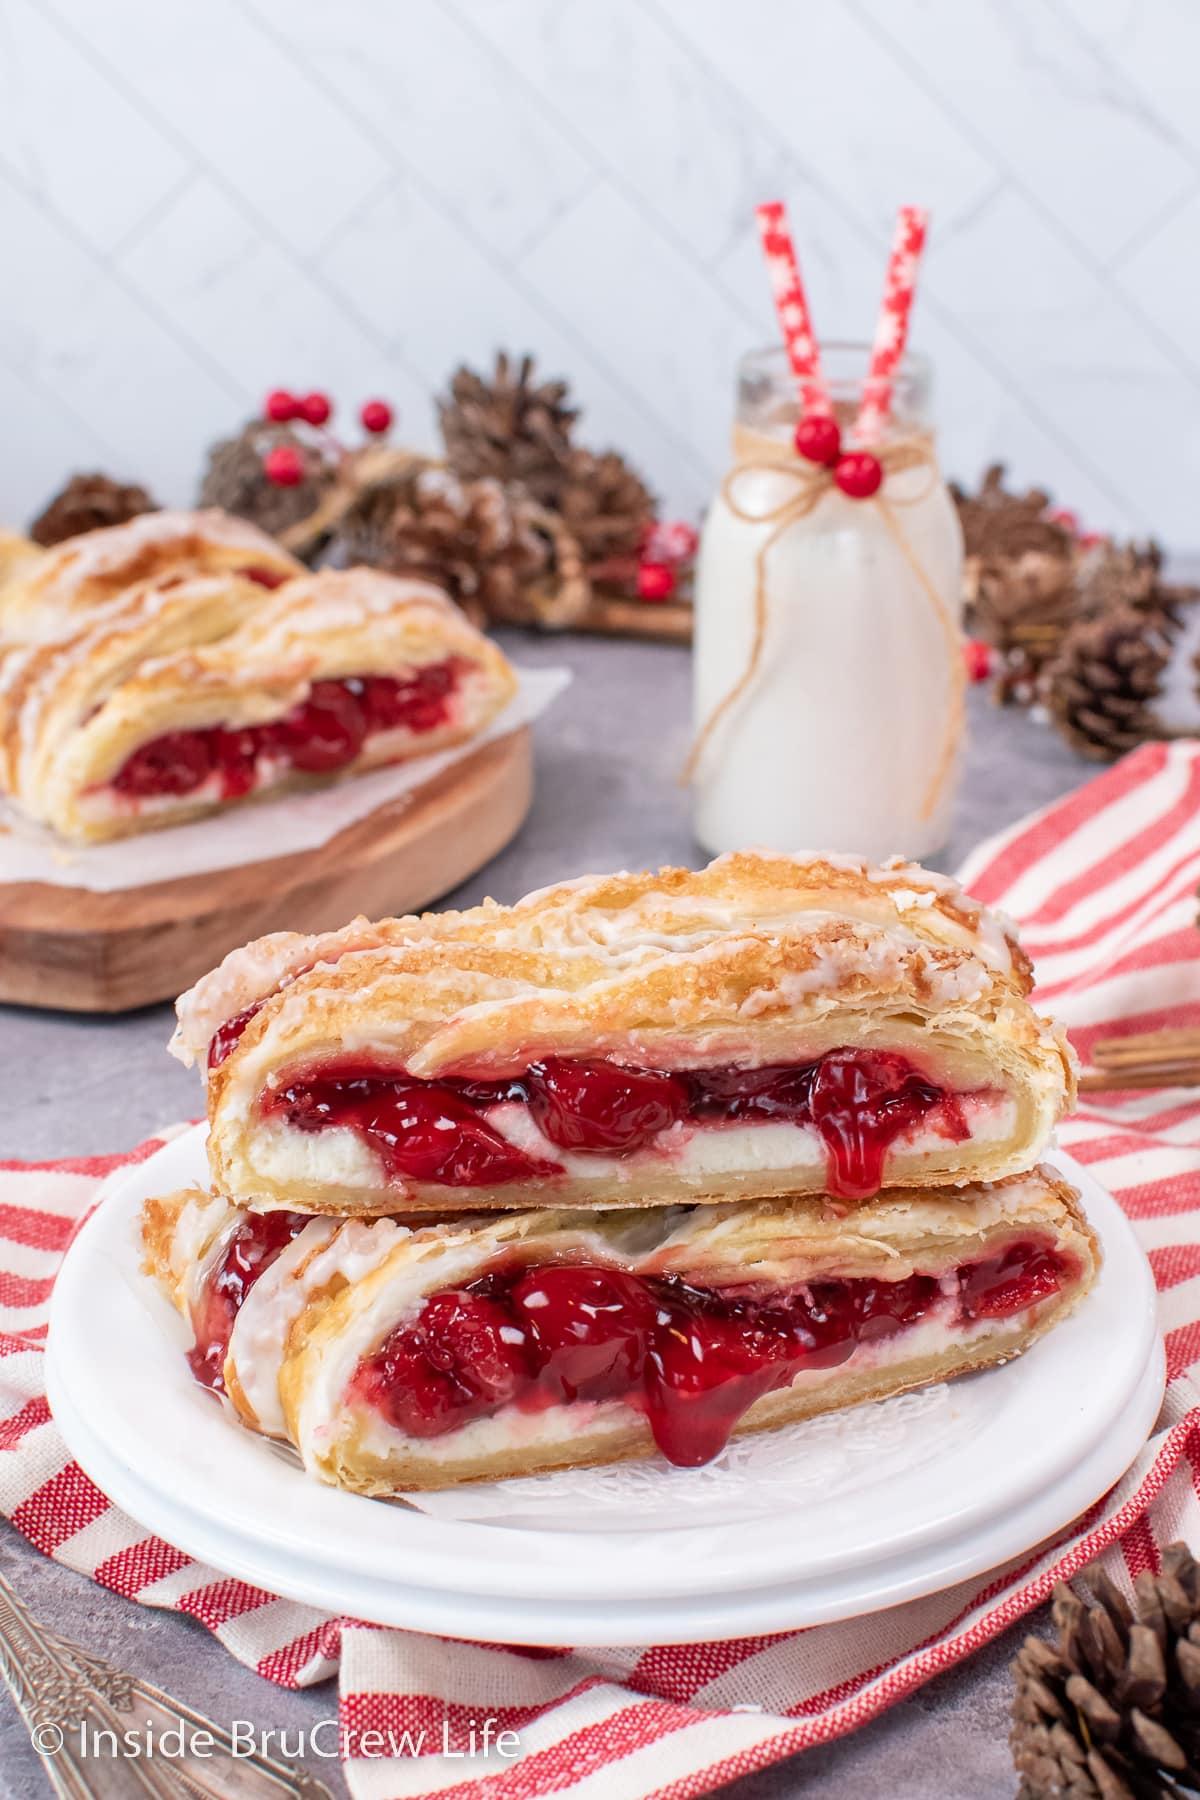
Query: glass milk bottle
{"x":843,"y":728}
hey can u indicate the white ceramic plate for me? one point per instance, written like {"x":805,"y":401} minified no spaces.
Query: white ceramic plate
{"x":372,"y":1592}
{"x":874,"y":1514}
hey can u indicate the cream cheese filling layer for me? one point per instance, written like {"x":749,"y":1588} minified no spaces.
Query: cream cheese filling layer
{"x":338,"y":1155}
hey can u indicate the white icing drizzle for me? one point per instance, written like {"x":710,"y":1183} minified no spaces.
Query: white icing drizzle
{"x":853,"y":934}
{"x":200,"y":1241}
{"x":337,"y":600}
{"x":326,"y":1250}
{"x":107,"y":550}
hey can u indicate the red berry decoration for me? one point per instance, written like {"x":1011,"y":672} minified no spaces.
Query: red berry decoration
{"x":284,"y":466}
{"x":858,"y":474}
{"x":315,"y":408}
{"x":376,"y":417}
{"x":1062,"y":515}
{"x":281,"y":406}
{"x":978,"y":659}
{"x":819,"y":439}
{"x":655,"y":581}
{"x":669,"y":541}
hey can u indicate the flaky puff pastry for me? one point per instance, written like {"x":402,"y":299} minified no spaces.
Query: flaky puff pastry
{"x":758,"y":960}
{"x":18,"y":557}
{"x":75,"y":580}
{"x":625,"y":915}
{"x":180,"y":653}
{"x":338,"y":1291}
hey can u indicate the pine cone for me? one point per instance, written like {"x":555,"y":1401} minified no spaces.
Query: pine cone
{"x":235,"y":479}
{"x":490,"y":547}
{"x":605,"y":505}
{"x":1119,"y":575}
{"x":997,"y":523}
{"x":1007,"y":593}
{"x":87,"y":503}
{"x":508,"y":427}
{"x":1111,"y":1711}
{"x":1018,"y":578}
{"x":1101,"y":686}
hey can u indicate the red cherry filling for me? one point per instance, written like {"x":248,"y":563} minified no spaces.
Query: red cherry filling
{"x":774,"y":1091}
{"x":860,"y":1101}
{"x":460,"y":1361}
{"x":268,"y":578}
{"x":253,"y":1247}
{"x":585,"y":1329}
{"x":227,"y":1035}
{"x":324,"y":733}
{"x":1009,"y":1283}
{"x":176,"y":763}
{"x":235,"y":753}
{"x":421,"y":1130}
{"x":706,"y":1367}
{"x":598,"y":1105}
{"x":420,"y":703}
{"x":691,"y":1359}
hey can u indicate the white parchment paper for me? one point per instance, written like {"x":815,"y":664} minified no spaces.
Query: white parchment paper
{"x":253,"y":833}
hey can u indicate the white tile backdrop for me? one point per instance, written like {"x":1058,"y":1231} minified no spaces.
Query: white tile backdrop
{"x":200,"y":199}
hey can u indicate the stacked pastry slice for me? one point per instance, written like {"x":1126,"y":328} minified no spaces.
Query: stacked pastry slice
{"x":638,"y":1162}
{"x":159,"y":670}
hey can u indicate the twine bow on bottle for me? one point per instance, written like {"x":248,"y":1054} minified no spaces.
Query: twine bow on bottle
{"x":809,"y":483}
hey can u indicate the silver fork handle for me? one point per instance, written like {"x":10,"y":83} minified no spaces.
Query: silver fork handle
{"x":78,"y":1710}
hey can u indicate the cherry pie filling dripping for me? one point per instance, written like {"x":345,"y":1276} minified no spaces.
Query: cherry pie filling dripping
{"x":691,"y":1359}
{"x":322,"y":734}
{"x":859,"y":1102}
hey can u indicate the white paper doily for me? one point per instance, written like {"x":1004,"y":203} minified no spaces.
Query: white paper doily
{"x":753,"y":1477}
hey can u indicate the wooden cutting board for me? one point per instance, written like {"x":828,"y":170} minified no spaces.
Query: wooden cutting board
{"x":86,"y":952}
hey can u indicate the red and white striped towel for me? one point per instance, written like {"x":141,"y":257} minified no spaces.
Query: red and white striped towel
{"x":1104,"y":886}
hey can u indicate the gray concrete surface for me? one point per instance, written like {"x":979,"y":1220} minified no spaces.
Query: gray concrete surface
{"x":606,"y":797}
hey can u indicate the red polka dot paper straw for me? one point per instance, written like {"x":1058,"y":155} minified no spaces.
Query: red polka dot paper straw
{"x":891,"y":333}
{"x":795,"y":320}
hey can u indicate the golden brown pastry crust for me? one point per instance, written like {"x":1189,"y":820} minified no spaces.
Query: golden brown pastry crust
{"x":83,"y":574}
{"x":18,"y":555}
{"x":351,"y":1284}
{"x":150,"y":628}
{"x":611,"y":914}
{"x":755,"y":960}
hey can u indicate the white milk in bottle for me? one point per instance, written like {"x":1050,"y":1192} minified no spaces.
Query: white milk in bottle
{"x":845,"y":734}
